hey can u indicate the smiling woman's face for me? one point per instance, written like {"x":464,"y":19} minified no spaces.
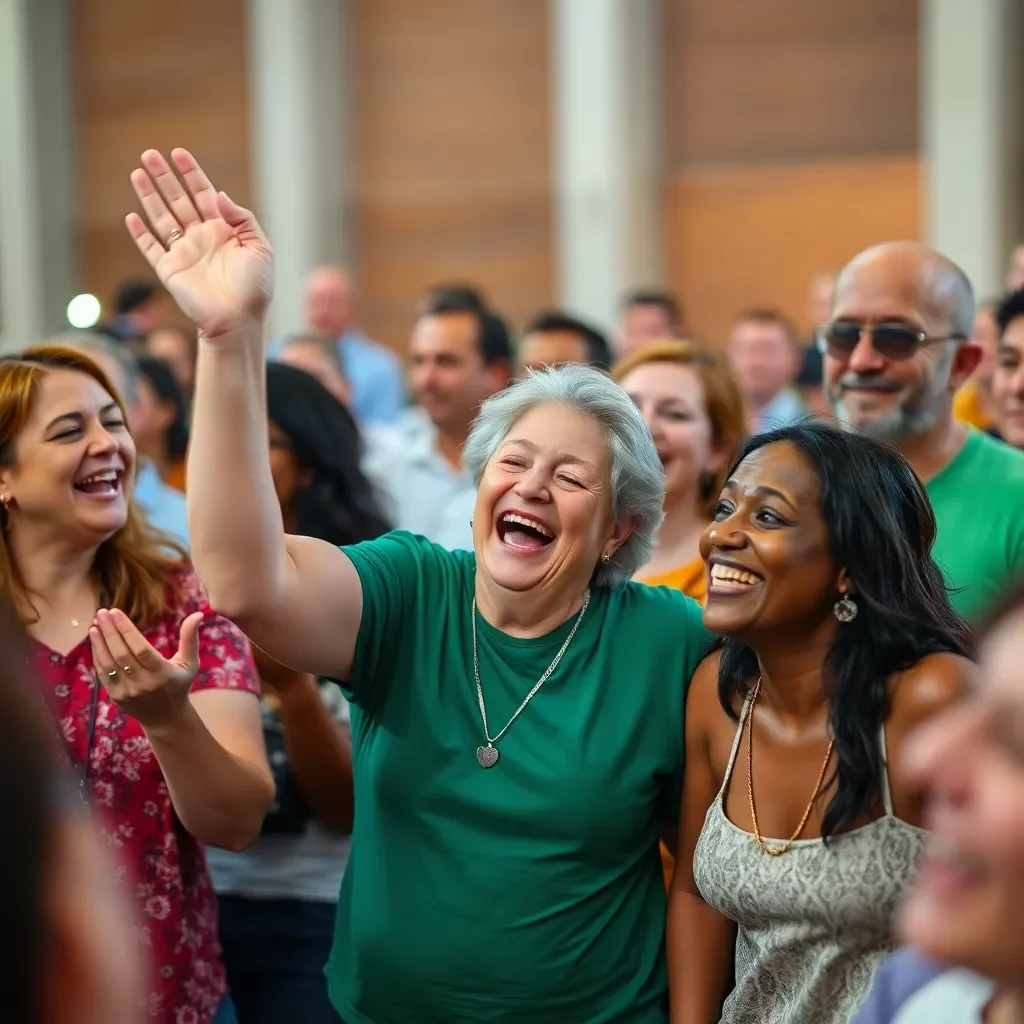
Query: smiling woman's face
{"x":543,"y":511}
{"x":967,"y":904}
{"x":767,"y":549}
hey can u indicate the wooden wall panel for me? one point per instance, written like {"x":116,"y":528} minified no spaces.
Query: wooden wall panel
{"x":751,"y":80}
{"x":453,"y":154}
{"x":146,"y":76}
{"x":757,"y":235}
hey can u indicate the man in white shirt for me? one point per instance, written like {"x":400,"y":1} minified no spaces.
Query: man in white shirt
{"x":459,"y":357}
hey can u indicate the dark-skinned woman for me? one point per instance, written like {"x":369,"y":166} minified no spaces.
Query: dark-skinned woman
{"x":799,"y":830}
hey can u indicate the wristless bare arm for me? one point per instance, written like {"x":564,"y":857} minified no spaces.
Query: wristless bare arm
{"x":297,"y":598}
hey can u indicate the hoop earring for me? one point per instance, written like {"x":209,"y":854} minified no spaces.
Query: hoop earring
{"x":845,"y":609}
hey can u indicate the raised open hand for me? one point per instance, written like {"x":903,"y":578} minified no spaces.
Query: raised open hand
{"x":141,"y":681}
{"x":210,"y":254}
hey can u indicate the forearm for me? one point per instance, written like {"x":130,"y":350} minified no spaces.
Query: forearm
{"x":319,"y":754}
{"x":235,"y":526}
{"x":220,"y":798}
{"x":700,"y":945}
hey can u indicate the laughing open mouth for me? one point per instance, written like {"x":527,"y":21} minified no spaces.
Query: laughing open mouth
{"x":525,"y":533}
{"x":733,"y":579}
{"x":106,"y":482}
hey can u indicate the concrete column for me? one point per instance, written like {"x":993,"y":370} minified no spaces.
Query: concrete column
{"x":37,"y":237}
{"x":972,"y":103}
{"x":607,"y":155}
{"x":299,"y":74}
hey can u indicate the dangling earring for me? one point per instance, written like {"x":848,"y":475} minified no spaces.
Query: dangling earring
{"x":845,"y":609}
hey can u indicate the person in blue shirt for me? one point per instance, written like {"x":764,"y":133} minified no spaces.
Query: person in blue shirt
{"x":374,"y":373}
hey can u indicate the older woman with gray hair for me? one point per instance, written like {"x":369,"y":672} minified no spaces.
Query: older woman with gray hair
{"x":517,"y":711}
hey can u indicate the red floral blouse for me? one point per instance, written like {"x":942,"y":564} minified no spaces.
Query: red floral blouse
{"x":163,"y":866}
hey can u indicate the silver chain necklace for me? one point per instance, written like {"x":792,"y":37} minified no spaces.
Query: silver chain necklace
{"x":487,"y":757}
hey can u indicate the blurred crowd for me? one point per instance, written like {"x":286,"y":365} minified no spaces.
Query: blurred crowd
{"x":228,"y":780}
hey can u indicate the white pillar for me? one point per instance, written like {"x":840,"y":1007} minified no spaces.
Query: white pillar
{"x":299,"y":76}
{"x":607,"y":128}
{"x":37,"y":237}
{"x":971,"y":106}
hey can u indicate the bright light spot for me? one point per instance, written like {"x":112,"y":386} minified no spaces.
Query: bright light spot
{"x":83,"y":311}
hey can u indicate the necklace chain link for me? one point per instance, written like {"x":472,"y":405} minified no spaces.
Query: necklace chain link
{"x":776,"y":851}
{"x":487,"y":756}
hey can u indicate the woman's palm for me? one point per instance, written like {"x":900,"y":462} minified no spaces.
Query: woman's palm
{"x":219,"y":266}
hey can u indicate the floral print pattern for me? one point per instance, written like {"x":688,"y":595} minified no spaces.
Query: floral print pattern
{"x":161,"y":864}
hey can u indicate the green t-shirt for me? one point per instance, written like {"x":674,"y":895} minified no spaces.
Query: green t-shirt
{"x":979,"y":507}
{"x":530,"y":891}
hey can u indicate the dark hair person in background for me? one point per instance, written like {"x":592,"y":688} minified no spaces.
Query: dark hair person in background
{"x":554,"y":338}
{"x":839,"y":638}
{"x":278,"y":899}
{"x":72,"y":958}
{"x":177,"y":347}
{"x":136,"y":310}
{"x":1008,"y":377}
{"x":649,"y":314}
{"x":164,"y":437}
{"x":452,"y":296}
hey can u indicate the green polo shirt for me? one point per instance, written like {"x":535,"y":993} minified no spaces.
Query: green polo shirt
{"x":979,"y":507}
{"x":530,"y":891}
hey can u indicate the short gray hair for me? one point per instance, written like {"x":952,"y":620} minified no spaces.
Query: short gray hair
{"x":638,"y":482}
{"x":93,"y":342}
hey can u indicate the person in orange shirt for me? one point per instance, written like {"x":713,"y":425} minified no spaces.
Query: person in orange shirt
{"x":695,"y":412}
{"x":973,"y":403}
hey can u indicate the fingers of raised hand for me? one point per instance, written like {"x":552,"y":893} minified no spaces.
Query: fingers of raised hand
{"x":148,"y":245}
{"x":203,"y":193}
{"x":171,"y":190}
{"x":161,"y":219}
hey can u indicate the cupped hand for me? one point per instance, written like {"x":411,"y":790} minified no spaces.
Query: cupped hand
{"x":141,"y":682}
{"x":220,"y":268}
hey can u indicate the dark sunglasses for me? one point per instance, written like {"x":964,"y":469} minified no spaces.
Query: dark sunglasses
{"x":891,"y":341}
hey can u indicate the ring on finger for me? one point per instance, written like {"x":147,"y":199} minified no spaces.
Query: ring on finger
{"x":127,"y":669}
{"x":176,"y":235}
{"x":110,"y":675}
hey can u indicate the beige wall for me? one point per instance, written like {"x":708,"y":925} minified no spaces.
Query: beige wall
{"x":149,"y":76}
{"x":453,"y":177}
{"x":791,"y":134}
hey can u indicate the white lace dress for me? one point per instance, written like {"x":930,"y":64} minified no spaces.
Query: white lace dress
{"x":814,"y":923}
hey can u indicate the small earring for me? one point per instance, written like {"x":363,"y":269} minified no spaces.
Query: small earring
{"x":471,"y":524}
{"x":845,"y":609}
{"x":606,"y":558}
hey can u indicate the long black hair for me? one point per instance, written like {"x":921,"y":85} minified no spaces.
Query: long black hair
{"x":880,"y":529}
{"x":167,"y":389}
{"x":338,"y":505}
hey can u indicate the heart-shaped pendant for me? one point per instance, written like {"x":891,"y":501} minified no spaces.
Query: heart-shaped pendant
{"x":487,"y":756}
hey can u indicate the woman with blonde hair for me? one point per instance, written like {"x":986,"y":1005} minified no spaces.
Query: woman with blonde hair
{"x":154,"y":693}
{"x":694,"y":410}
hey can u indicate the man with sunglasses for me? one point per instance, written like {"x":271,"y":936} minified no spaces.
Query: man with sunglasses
{"x":897,"y":347}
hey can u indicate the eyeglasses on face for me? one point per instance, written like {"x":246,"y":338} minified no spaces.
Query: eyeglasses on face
{"x":891,"y":341}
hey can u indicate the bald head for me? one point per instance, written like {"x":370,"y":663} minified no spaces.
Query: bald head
{"x":891,"y":391}
{"x":330,"y":303}
{"x":933,"y":284}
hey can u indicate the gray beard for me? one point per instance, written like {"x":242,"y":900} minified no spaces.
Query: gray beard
{"x":915,"y":415}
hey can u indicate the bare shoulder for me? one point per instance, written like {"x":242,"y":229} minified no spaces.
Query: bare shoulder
{"x":932,"y":685}
{"x":702,"y":697}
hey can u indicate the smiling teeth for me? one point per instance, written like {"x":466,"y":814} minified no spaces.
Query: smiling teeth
{"x":511,"y":517}
{"x":108,"y":476}
{"x":727,"y":572}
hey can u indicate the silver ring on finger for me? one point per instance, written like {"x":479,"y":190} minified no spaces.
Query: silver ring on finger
{"x":127,"y":669}
{"x":176,"y":235}
{"x":110,"y":675}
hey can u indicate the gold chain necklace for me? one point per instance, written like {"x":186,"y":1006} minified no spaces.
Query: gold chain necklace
{"x":776,"y":851}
